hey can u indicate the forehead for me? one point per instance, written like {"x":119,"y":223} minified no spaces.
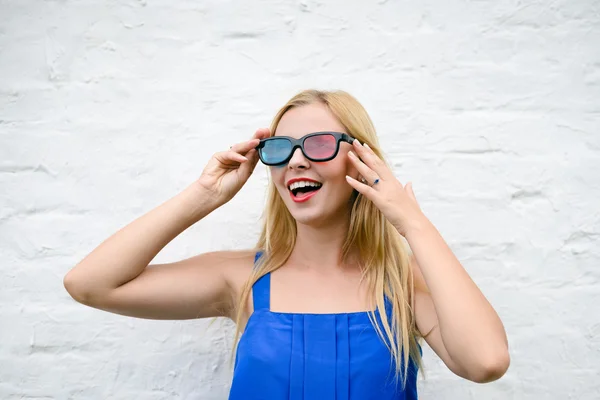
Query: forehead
{"x":299,"y":121}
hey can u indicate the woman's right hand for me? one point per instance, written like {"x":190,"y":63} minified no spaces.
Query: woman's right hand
{"x":227,"y":171}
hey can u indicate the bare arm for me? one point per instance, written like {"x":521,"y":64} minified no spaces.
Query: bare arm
{"x":455,"y":318}
{"x":116,"y":277}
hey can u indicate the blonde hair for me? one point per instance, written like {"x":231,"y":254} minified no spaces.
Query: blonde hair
{"x":383,"y":253}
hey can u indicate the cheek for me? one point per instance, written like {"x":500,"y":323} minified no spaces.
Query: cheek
{"x":278,"y":177}
{"x":351,"y":169}
{"x":338,"y":170}
{"x":277,"y":173}
{"x":347,"y":167}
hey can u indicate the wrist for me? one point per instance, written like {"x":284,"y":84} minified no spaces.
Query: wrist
{"x":417,"y":226}
{"x":198,"y":201}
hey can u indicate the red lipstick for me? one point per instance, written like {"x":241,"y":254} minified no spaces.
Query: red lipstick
{"x":302,"y":196}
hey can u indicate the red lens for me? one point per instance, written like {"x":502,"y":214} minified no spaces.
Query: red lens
{"x":320,"y":147}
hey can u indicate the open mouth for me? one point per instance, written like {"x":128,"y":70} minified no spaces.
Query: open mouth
{"x":304,"y":190}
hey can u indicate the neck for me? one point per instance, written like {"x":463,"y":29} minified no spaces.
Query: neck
{"x":320,"y":247}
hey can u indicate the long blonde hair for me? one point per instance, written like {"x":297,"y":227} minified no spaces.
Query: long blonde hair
{"x":383,"y":253}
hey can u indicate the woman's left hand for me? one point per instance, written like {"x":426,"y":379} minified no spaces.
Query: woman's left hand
{"x":397,"y":202}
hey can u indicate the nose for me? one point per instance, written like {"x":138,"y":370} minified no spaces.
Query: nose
{"x":298,"y":160}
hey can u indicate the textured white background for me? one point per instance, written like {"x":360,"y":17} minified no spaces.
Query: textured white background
{"x":109,"y":108}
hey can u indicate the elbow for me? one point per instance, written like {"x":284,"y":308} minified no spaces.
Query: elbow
{"x":492,"y":369}
{"x":75,"y":289}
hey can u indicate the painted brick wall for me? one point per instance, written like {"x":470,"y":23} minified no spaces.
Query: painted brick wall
{"x":109,"y":108}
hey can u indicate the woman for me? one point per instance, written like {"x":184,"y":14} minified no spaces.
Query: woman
{"x":332,"y":303}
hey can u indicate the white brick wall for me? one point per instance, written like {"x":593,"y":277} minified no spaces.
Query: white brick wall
{"x":107,"y":109}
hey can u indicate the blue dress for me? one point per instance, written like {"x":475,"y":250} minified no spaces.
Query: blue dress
{"x":295,"y":356}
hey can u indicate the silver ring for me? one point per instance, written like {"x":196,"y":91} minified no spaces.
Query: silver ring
{"x":364,"y":181}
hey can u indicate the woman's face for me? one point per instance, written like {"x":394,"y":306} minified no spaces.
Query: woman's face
{"x":329,"y":203}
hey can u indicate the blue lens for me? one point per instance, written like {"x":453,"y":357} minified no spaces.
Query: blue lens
{"x":275,"y":151}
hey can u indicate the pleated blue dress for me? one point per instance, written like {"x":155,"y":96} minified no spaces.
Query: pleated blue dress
{"x":296,"y":356}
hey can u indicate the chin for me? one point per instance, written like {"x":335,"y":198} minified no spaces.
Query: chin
{"x":309,"y":218}
{"x":315,"y":217}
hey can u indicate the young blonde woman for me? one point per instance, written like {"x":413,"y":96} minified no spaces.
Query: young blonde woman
{"x":332,"y":303}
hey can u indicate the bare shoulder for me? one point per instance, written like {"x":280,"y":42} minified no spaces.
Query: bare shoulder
{"x":236,"y":265}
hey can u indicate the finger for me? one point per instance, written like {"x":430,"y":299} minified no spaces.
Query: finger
{"x":372,"y":160}
{"x":244,"y":147}
{"x":262,"y":133}
{"x":360,"y":187}
{"x":248,"y":167}
{"x":227,"y":156}
{"x":362,"y":168}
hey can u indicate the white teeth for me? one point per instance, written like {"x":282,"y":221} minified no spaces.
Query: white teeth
{"x":299,"y":184}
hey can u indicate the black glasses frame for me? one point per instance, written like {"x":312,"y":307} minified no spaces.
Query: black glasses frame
{"x":299,"y":143}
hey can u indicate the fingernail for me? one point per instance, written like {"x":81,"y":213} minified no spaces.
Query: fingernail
{"x":352,"y":154}
{"x":367,"y":146}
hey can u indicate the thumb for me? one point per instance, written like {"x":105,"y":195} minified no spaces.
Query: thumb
{"x":246,"y":168}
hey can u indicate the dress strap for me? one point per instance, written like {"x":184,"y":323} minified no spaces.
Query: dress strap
{"x":261,"y":290}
